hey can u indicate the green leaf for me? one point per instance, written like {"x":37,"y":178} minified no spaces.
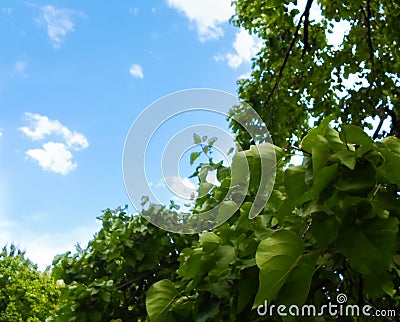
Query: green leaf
{"x":144,"y":200}
{"x":357,"y":182}
{"x":320,"y":154}
{"x":212,"y":141}
{"x":295,"y":182}
{"x":226,"y":211}
{"x":194,"y":156}
{"x":276,"y":257}
{"x":390,"y":169}
{"x":209,"y":237}
{"x":324,"y":179}
{"x":160,"y":298}
{"x":393,"y":144}
{"x":196,"y":138}
{"x":324,"y":228}
{"x":369,"y":247}
{"x":248,"y":284}
{"x":312,"y":137}
{"x":346,"y":157}
{"x":297,"y":285}
{"x":354,"y":134}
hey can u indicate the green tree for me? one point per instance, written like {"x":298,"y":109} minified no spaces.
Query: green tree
{"x":299,"y":76}
{"x":110,"y":277}
{"x":331,"y":225}
{"x":26,"y":294}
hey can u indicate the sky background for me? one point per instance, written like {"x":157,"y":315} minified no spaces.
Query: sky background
{"x":73,"y":77}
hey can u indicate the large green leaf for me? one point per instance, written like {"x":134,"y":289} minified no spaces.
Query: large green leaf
{"x":276,"y":256}
{"x":324,"y":179}
{"x":159,"y":300}
{"x":295,"y":182}
{"x":357,"y":182}
{"x":369,"y":247}
{"x":297,"y":285}
{"x":346,"y":157}
{"x":354,"y":134}
{"x":320,"y":154}
{"x":324,"y":228}
{"x":311,"y":138}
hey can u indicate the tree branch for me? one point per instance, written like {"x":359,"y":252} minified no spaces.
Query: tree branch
{"x":367,"y":17}
{"x":289,"y":51}
{"x":395,"y":122}
{"x":382,"y":118}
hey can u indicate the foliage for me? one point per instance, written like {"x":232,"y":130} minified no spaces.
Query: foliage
{"x":298,"y":76}
{"x":330,"y":227}
{"x":109,"y":278}
{"x":26,"y":294}
{"x":331,"y":223}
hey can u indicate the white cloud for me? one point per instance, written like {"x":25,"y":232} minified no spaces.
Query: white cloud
{"x":207,"y":15}
{"x":182,"y":188}
{"x":1,"y":133}
{"x":136,"y":71}
{"x":53,"y":156}
{"x":246,"y":47}
{"x":41,"y":127}
{"x":58,"y":23}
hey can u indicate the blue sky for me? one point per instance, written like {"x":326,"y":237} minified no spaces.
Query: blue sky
{"x":73,"y":77}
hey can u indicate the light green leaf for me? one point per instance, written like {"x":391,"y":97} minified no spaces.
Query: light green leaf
{"x":226,"y":210}
{"x":160,"y":298}
{"x":194,"y":156}
{"x":196,"y":138}
{"x":209,"y":237}
{"x":296,"y":288}
{"x":212,"y":141}
{"x":325,"y":177}
{"x":346,"y":157}
{"x":295,"y":182}
{"x":355,"y":135}
{"x":312,"y":137}
{"x":276,"y":257}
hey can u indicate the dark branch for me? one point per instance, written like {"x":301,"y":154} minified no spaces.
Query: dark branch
{"x":367,"y":17}
{"x":395,"y":122}
{"x":382,"y":118}
{"x":289,"y":51}
{"x":306,"y":24}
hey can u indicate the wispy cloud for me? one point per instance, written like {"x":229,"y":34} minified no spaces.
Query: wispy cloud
{"x":136,"y":71}
{"x":207,"y":15}
{"x":53,"y":156}
{"x":245,"y":47}
{"x":134,"y":11}
{"x":58,"y":23}
{"x":42,"y":248}
{"x":7,"y":11}
{"x":20,"y":67}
